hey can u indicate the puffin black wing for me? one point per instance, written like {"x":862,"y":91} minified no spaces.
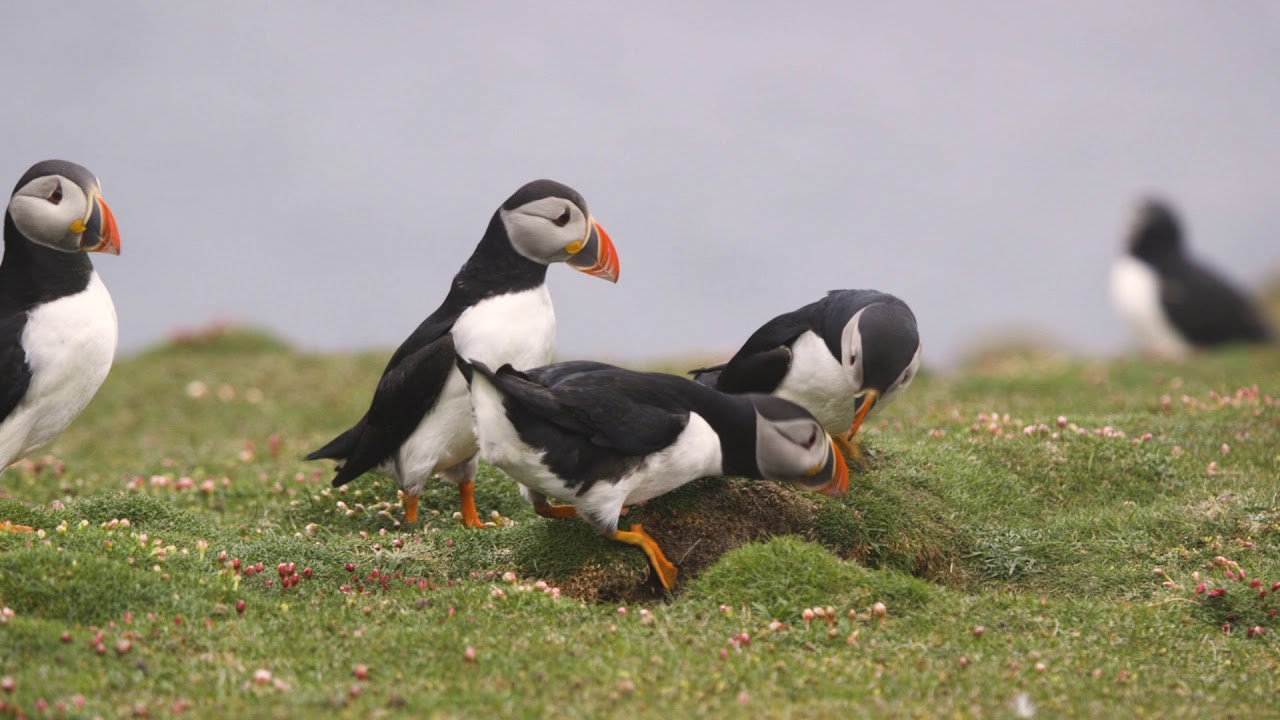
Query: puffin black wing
{"x":15,"y":374}
{"x":1206,"y":310}
{"x":591,"y":424}
{"x":407,"y":391}
{"x":552,"y":375}
{"x":763,"y":360}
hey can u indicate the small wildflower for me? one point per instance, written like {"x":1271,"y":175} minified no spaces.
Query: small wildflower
{"x":469,"y":654}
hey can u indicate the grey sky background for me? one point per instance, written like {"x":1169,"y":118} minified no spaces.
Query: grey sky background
{"x":322,"y":169}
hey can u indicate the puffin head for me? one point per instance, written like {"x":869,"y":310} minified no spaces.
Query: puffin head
{"x":59,"y":204}
{"x":1156,"y":232}
{"x":792,"y":446}
{"x":880,"y":352}
{"x":548,"y":222}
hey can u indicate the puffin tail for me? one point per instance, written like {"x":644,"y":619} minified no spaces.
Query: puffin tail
{"x":339,"y":448}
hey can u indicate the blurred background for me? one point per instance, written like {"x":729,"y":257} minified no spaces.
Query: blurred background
{"x":322,"y":170}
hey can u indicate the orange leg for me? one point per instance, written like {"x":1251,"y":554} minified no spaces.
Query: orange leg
{"x":558,"y":512}
{"x":6,"y":526}
{"x":411,"y":508}
{"x":470,"y":516}
{"x":667,"y":572}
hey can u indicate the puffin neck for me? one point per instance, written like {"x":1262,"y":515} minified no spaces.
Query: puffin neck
{"x":31,"y":274}
{"x":733,"y":417}
{"x":495,"y":268}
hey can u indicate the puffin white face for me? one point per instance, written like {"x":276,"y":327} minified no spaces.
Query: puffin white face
{"x":56,"y":212}
{"x":548,"y":230}
{"x":554,"y":229}
{"x":792,"y":446}
{"x":852,"y":358}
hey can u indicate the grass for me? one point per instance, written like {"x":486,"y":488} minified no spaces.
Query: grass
{"x":976,"y":510}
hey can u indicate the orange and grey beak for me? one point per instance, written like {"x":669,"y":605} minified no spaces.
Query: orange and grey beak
{"x":598,"y":256}
{"x":411,"y":508}
{"x":836,"y":470}
{"x":101,"y":234}
{"x":868,"y":401}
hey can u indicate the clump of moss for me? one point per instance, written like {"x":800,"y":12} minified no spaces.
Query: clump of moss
{"x":785,"y":575}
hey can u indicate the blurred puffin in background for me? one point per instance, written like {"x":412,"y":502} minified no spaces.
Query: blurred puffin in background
{"x":1173,"y":303}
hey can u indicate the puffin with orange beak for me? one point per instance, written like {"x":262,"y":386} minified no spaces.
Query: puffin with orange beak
{"x":600,"y":438}
{"x":58,"y":326}
{"x":498,"y":310}
{"x":840,"y":358}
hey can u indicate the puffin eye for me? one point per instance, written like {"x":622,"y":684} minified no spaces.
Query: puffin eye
{"x":56,"y":196}
{"x":563,"y":219}
{"x":813,"y":438}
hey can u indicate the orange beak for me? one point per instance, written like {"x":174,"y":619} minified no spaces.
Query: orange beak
{"x":598,"y":257}
{"x":839,"y":484}
{"x":101,"y":232}
{"x":411,"y":508}
{"x":872,"y":396}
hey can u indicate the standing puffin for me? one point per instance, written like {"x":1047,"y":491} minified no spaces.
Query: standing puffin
{"x":1173,"y":303}
{"x":602,"y":438}
{"x":498,"y":310}
{"x":57,"y":323}
{"x":839,"y":357}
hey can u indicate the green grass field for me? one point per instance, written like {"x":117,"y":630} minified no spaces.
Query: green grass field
{"x":991,"y":560}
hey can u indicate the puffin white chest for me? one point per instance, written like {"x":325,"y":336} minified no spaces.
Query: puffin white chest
{"x":1135,"y":292}
{"x":69,"y":345}
{"x":516,"y":328}
{"x":819,"y":383}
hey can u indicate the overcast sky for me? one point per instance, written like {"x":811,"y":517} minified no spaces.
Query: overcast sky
{"x":322,"y":169}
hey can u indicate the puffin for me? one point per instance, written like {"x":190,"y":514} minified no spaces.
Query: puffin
{"x":601,"y":438}
{"x":1173,"y":303}
{"x":58,"y":326}
{"x":497,"y":310}
{"x":838,"y":357}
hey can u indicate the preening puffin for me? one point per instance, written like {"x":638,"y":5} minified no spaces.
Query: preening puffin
{"x":498,"y":310}
{"x":58,"y":326}
{"x":839,"y":357}
{"x":1171,"y":302}
{"x":601,"y":438}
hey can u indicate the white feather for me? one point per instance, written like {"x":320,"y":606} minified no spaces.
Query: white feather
{"x":819,"y":383}
{"x":517,"y":329}
{"x":1135,"y":292}
{"x":70,"y":344}
{"x":444,"y":439}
